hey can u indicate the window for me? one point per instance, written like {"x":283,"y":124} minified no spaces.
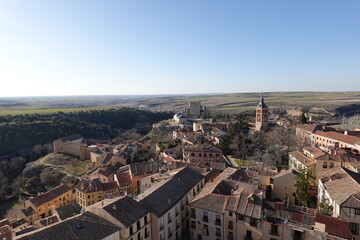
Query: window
{"x":274,"y":229}
{"x":331,"y":165}
{"x":138,"y":225}
{"x":218,"y":220}
{"x":241,"y":217}
{"x":357,"y":211}
{"x":131,"y":230}
{"x":205,"y":216}
{"x":230,"y":214}
{"x":193,"y":213}
{"x":193,"y":224}
{"x":231,"y":225}
{"x":145,"y":219}
{"x":324,"y":164}
{"x":230,"y":235}
{"x":139,"y":236}
{"x":218,"y":232}
{"x":206,"y":230}
{"x":354,"y":228}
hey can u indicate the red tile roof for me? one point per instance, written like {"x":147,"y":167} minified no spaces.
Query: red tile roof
{"x":334,"y":226}
{"x":339,"y":137}
{"x":50,"y":195}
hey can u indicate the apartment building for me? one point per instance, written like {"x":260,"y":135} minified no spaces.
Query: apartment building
{"x":132,"y":217}
{"x":43,"y":205}
{"x":169,"y":201}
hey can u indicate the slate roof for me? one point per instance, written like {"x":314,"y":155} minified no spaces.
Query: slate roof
{"x":68,"y":210}
{"x":211,"y":202}
{"x":140,"y":168}
{"x":352,"y":202}
{"x":240,"y":175}
{"x":339,"y":137}
{"x":28,"y":211}
{"x":302,"y":158}
{"x":87,"y":226}
{"x":170,"y":193}
{"x":127,"y":211}
{"x":50,"y":195}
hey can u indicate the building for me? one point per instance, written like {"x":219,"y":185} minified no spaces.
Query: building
{"x":90,"y":191}
{"x":73,"y":145}
{"x":304,"y":132}
{"x":337,"y":185}
{"x":202,"y":153}
{"x":284,"y":186}
{"x":131,"y":217}
{"x":43,"y":205}
{"x":262,"y":115}
{"x":169,"y":201}
{"x":194,"y":109}
{"x":85,"y":226}
{"x":350,"y":212}
{"x":325,"y":140}
{"x":317,"y":162}
{"x":180,"y":118}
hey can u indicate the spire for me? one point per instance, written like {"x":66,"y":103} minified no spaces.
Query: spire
{"x":262,"y":102}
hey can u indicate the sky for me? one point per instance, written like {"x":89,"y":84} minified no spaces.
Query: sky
{"x":85,"y":47}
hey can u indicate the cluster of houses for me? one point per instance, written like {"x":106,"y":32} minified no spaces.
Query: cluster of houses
{"x":193,"y":191}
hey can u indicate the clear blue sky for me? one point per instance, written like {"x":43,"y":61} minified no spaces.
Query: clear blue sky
{"x":73,"y":47}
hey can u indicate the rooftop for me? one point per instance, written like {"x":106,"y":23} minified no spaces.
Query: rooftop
{"x":339,"y":137}
{"x":171,"y":192}
{"x":50,"y":195}
{"x":202,"y":148}
{"x":69,"y":210}
{"x":86,"y":226}
{"x":302,"y":158}
{"x":126,"y":210}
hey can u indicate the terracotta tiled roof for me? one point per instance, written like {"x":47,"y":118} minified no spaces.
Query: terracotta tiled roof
{"x":123,"y":177}
{"x":334,"y":226}
{"x":202,"y":148}
{"x":314,"y":150}
{"x":338,"y":137}
{"x":302,"y":158}
{"x":109,"y":186}
{"x":50,"y":195}
{"x":307,"y":127}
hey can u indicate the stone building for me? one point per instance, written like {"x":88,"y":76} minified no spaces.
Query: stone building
{"x":73,"y":144}
{"x":194,"y":109}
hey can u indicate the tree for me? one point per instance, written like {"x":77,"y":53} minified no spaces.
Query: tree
{"x":303,"y":118}
{"x":207,"y":114}
{"x":303,"y":185}
{"x":325,"y":208}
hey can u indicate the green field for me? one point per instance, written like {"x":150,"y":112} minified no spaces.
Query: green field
{"x":231,"y":103}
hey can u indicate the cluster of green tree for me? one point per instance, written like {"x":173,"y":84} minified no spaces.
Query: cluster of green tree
{"x":24,"y":131}
{"x":270,"y":148}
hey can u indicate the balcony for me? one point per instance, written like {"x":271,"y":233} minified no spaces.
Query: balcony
{"x":205,"y":219}
{"x":218,"y":222}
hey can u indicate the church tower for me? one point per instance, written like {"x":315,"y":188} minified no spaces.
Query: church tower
{"x":262,"y":114}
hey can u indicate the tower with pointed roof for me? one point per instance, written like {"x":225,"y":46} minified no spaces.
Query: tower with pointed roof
{"x":262,"y":114}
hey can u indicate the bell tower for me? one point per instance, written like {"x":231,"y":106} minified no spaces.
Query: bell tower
{"x":262,"y":113}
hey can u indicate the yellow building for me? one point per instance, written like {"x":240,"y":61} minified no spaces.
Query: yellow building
{"x":44,"y":204}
